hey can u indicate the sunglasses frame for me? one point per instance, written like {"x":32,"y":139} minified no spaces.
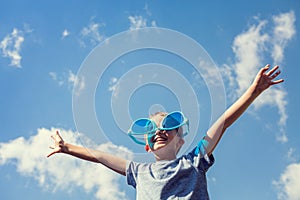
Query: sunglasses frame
{"x":152,"y":132}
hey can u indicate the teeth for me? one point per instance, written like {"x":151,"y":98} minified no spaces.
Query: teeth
{"x":159,"y":139}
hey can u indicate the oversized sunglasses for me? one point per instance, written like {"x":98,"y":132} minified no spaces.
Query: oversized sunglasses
{"x":145,"y":128}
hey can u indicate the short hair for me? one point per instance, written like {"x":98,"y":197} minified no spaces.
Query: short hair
{"x":159,"y":113}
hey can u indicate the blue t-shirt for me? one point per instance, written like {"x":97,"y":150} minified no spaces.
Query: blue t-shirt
{"x":182,"y":178}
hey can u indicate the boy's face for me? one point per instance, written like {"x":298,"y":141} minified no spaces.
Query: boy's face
{"x":164,"y":138}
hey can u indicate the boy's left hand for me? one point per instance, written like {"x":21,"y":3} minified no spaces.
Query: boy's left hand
{"x":264,"y":79}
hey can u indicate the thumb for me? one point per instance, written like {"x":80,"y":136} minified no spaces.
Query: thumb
{"x":50,"y":154}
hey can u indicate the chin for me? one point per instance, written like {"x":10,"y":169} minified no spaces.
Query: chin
{"x":158,"y":146}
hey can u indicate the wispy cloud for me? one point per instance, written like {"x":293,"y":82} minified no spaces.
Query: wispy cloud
{"x":283,"y":32}
{"x":250,"y":48}
{"x":138,"y":21}
{"x":114,"y":86}
{"x":91,"y":34}
{"x":77,"y":82}
{"x":289,"y":183}
{"x":62,"y":172}
{"x":65,"y":33}
{"x":54,"y":77}
{"x":147,"y":10}
{"x":292,"y":156}
{"x":11,"y":47}
{"x":74,"y":82}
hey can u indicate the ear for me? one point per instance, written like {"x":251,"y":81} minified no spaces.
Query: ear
{"x":180,"y":142}
{"x":179,"y":145}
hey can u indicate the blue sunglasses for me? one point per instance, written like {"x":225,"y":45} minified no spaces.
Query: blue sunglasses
{"x":145,"y":128}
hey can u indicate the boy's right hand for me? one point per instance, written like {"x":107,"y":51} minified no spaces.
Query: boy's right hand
{"x":59,"y":144}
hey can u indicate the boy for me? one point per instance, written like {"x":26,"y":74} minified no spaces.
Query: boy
{"x":170,"y":177}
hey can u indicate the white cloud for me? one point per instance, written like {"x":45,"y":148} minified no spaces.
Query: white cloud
{"x":250,"y":48}
{"x":137,"y":22}
{"x":228,"y":72}
{"x":62,"y":172}
{"x":209,"y":73}
{"x":11,"y":47}
{"x":91,"y":34}
{"x":27,"y":28}
{"x":78,"y":83}
{"x":65,"y":33}
{"x":292,"y":156}
{"x":275,"y":97}
{"x":114,"y":86}
{"x":147,"y":10}
{"x":54,"y":77}
{"x":289,"y":183}
{"x":284,"y":31}
{"x":153,"y":23}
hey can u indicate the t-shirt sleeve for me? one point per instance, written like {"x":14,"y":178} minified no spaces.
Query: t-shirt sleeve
{"x":131,"y":173}
{"x":201,"y":159}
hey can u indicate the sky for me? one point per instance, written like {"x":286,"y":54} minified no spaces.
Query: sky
{"x":89,"y":68}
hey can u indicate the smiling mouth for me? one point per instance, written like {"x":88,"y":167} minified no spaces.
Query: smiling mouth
{"x":159,"y":139}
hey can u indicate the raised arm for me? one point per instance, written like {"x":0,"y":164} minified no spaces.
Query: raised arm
{"x":262,"y":81}
{"x":114,"y":163}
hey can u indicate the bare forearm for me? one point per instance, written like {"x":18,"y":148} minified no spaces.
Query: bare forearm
{"x":263,"y":80}
{"x":240,"y":106}
{"x":215,"y":133}
{"x":115,"y":163}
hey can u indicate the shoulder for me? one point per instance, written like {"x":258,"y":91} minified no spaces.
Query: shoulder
{"x":198,"y":159}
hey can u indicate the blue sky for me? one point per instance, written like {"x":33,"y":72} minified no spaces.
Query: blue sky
{"x":49,"y":81}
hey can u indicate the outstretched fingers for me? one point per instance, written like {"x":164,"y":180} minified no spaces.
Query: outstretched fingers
{"x":269,"y":73}
{"x":57,"y":139}
{"x":277,"y":81}
{"x":264,"y":69}
{"x":272,"y":74}
{"x":57,"y":133}
{"x":54,"y":151}
{"x":53,"y":137}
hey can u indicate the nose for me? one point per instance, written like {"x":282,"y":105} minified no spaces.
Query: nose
{"x":158,"y":132}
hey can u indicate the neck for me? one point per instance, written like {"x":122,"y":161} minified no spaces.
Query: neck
{"x":163,"y":155}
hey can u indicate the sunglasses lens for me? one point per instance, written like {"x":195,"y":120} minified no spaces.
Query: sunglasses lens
{"x":173,"y":120}
{"x":142,"y":126}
